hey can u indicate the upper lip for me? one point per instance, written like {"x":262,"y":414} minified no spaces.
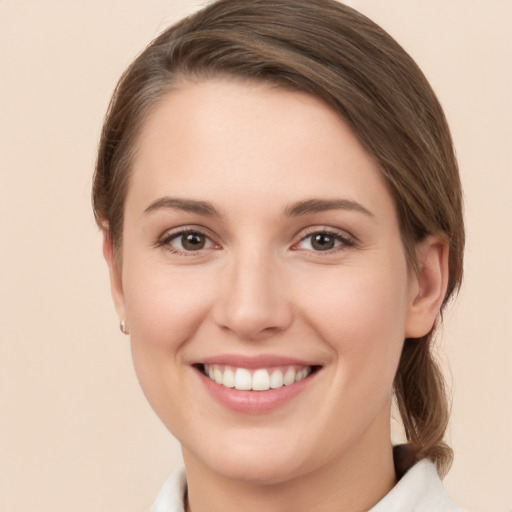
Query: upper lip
{"x":258,"y":361}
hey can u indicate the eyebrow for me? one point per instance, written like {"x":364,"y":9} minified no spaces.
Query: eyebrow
{"x":185,"y":205}
{"x":321,"y":205}
{"x":295,"y":209}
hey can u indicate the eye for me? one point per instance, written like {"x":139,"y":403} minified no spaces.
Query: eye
{"x":324,"y":241}
{"x":187,"y":241}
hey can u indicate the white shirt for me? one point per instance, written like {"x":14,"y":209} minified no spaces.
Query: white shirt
{"x":419,"y":490}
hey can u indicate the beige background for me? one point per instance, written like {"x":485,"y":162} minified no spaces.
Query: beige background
{"x":75,"y":431}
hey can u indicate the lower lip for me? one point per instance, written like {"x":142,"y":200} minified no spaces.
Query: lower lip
{"x":254,"y":402}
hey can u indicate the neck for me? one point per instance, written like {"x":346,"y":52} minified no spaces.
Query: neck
{"x":354,"y":482}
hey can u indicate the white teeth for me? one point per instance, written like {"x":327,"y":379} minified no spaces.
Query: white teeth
{"x":276,"y":379}
{"x":229,"y":378}
{"x":302,"y":374}
{"x":289,"y":377}
{"x":243,"y":380}
{"x":217,"y":376}
{"x":259,"y":380}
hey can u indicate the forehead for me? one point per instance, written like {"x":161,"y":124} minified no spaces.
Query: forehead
{"x":225,"y":141}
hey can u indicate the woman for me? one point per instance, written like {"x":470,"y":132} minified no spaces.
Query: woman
{"x":282,"y":220}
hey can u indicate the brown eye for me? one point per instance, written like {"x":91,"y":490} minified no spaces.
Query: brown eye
{"x":187,"y":242}
{"x":322,"y":242}
{"x":193,"y":241}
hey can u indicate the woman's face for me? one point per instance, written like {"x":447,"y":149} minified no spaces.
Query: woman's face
{"x":261,"y":246}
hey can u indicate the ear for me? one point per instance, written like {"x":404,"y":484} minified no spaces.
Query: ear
{"x":116,"y":282}
{"x":428,"y":286}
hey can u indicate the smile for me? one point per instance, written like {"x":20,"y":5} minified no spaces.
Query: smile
{"x":257,"y":384}
{"x":258,"y":379}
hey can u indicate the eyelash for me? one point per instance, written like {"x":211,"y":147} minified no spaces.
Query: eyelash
{"x":346,"y":241}
{"x":165,"y":241}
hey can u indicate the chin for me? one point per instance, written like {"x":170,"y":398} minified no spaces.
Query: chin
{"x":261,"y":472}
{"x":254,"y":463}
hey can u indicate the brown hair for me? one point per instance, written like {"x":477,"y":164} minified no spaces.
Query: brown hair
{"x":338,"y":55}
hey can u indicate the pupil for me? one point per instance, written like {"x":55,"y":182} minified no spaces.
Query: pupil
{"x":322,"y":242}
{"x":193,"y":241}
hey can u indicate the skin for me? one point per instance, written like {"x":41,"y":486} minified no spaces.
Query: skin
{"x":260,"y":286}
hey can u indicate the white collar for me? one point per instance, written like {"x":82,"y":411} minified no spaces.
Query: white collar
{"x":419,"y":490}
{"x":171,"y":496}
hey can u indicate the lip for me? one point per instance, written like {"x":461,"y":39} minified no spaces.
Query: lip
{"x":254,"y":402}
{"x":253,"y":362}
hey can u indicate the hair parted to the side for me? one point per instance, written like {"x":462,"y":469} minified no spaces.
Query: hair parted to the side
{"x":326,"y":49}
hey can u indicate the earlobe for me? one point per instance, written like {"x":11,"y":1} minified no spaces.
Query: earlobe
{"x":116,"y":282}
{"x":428,"y":286}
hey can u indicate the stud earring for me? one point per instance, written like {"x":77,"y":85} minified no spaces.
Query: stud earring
{"x":123,"y":328}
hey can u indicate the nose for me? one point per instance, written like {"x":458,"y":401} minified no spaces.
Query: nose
{"x":254,"y":302}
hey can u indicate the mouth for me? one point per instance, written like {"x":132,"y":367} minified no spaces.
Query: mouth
{"x":256,"y":379}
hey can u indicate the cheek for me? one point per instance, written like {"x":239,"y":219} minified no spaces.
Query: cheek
{"x":165,"y":308}
{"x":164,"y":305}
{"x":360,"y":313}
